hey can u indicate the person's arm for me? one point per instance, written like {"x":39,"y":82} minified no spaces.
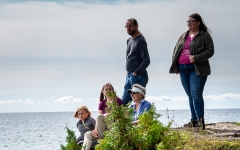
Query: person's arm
{"x":100,"y":112}
{"x":100,"y":108}
{"x":142,"y":47}
{"x":94,"y":131}
{"x":147,"y":107}
{"x":135,"y":122}
{"x":208,"y":50}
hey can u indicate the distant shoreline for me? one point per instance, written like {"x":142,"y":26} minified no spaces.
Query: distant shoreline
{"x":96,"y":110}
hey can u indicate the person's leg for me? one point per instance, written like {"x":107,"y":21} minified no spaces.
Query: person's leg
{"x":126,"y":98}
{"x":101,"y":125}
{"x":197,"y":84}
{"x":142,"y":79}
{"x":88,"y":139}
{"x":184,"y":76}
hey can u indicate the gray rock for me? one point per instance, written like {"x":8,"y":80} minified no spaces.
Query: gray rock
{"x":224,"y":129}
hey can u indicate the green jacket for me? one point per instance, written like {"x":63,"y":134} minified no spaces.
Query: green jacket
{"x":201,"y":48}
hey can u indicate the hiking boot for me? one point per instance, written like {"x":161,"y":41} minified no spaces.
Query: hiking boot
{"x":191,"y":124}
{"x":201,"y":123}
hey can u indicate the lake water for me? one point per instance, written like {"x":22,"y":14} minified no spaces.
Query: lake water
{"x":46,"y":130}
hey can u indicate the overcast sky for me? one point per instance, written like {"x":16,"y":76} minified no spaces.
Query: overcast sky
{"x":56,"y":55}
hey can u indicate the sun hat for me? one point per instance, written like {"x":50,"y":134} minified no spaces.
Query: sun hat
{"x":138,"y":89}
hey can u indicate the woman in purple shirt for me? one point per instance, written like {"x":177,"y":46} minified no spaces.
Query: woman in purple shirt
{"x":102,"y":114}
{"x":104,"y":99}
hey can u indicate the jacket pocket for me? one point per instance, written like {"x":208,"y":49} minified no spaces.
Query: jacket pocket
{"x":200,"y":49}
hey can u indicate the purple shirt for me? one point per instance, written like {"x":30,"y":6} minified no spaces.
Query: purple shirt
{"x":103,"y":104}
{"x":184,"y":56}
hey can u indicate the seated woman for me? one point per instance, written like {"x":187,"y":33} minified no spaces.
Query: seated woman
{"x":85,"y":123}
{"x":138,"y":104}
{"x":102,"y":114}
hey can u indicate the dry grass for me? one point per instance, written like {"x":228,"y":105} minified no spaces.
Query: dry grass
{"x":190,"y":139}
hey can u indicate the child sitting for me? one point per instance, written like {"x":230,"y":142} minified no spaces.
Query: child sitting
{"x":85,"y":123}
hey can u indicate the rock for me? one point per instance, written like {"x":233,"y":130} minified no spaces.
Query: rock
{"x":224,"y":129}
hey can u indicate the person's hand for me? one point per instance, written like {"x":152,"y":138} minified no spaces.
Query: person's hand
{"x":135,"y":122}
{"x":106,"y":114}
{"x":134,"y":74}
{"x":191,"y":58}
{"x":94,"y":133}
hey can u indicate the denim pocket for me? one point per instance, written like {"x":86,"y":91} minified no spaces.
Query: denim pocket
{"x":135,"y":79}
{"x":141,"y":79}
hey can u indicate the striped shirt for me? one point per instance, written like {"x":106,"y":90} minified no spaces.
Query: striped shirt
{"x":144,"y":106}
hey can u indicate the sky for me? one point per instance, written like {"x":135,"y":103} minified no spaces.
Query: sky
{"x":56,"y":55}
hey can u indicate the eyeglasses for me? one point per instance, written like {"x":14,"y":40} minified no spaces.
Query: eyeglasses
{"x":191,"y":21}
{"x":129,"y":26}
{"x":133,"y":93}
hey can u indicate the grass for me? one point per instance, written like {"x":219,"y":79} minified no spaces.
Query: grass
{"x":237,"y":123}
{"x":195,"y":140}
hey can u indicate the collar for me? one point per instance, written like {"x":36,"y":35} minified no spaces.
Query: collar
{"x":199,"y":32}
{"x":133,"y":103}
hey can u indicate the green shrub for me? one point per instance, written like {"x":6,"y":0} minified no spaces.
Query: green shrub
{"x":71,"y":141}
{"x":124,"y":136}
{"x":120,"y":135}
{"x":149,"y":130}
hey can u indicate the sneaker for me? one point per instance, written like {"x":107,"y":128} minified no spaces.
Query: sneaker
{"x":201,"y":123}
{"x":191,"y":124}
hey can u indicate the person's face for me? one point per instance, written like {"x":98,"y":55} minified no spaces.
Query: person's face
{"x":136,"y":97}
{"x":192,"y":24}
{"x":107,"y":88}
{"x":82,"y":114}
{"x":131,"y":28}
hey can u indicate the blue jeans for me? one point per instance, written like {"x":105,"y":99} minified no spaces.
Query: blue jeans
{"x":141,"y":79}
{"x":193,"y":86}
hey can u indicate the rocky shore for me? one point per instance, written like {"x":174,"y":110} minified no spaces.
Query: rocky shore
{"x":224,"y":130}
{"x":229,"y":131}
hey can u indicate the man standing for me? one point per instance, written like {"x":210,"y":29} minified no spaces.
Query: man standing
{"x":137,"y":59}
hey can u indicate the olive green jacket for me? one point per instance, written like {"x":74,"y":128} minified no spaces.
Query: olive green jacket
{"x":201,"y":48}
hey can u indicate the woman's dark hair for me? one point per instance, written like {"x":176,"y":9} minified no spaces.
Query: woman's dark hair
{"x":102,"y":97}
{"x":202,"y":25}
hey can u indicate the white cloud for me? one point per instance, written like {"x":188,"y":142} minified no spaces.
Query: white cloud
{"x":68,"y":99}
{"x":28,"y":101}
{"x":52,"y":97}
{"x":11,"y":101}
{"x":223,"y":97}
{"x":155,"y":98}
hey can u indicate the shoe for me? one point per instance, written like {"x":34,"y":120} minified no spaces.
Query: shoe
{"x":201,"y":123}
{"x":191,"y":124}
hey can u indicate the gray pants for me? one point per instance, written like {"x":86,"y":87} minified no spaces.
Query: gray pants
{"x":88,"y":136}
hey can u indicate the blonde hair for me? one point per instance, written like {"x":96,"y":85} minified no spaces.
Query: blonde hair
{"x":80,"y":108}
